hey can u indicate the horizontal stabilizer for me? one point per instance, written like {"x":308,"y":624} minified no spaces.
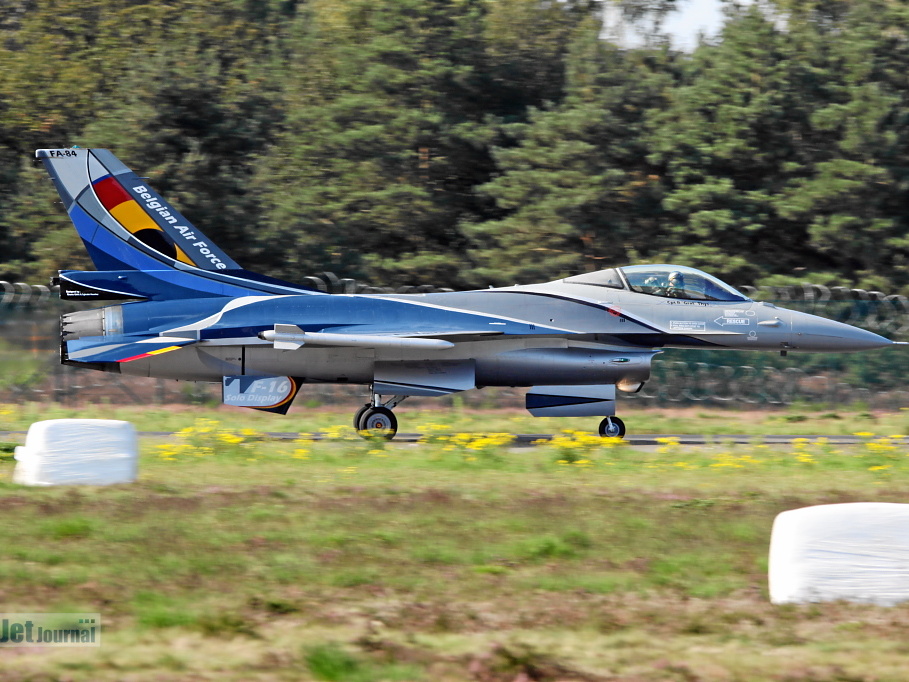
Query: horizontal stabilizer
{"x":122,"y":348}
{"x":571,"y":401}
{"x":77,"y":285}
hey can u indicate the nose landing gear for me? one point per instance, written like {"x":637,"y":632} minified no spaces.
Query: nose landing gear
{"x":612,"y":427}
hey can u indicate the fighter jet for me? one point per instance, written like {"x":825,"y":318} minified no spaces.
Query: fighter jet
{"x":189,"y":312}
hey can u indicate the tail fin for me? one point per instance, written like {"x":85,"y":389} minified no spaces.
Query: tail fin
{"x":143,"y":246}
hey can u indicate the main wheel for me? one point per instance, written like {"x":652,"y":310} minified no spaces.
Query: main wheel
{"x":378,"y":422}
{"x":359,"y":415}
{"x":612,"y":427}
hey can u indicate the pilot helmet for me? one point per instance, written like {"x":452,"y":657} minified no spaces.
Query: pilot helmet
{"x":676,"y":277}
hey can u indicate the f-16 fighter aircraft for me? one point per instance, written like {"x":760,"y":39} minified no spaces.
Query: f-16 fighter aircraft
{"x":196,"y":315}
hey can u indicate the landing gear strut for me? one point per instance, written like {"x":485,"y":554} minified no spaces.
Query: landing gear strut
{"x":612,"y":427}
{"x":376,"y":419}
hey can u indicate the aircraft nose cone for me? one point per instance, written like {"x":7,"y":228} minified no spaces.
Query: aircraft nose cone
{"x":812,"y":333}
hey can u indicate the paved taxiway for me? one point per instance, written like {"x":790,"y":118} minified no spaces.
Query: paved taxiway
{"x":529,"y":439}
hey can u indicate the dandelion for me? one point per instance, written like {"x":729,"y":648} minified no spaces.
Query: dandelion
{"x":230,"y":438}
{"x":340,"y":433}
{"x":300,"y":453}
{"x":433,"y":433}
{"x":574,"y":446}
{"x":726,"y":459}
{"x":669,"y":445}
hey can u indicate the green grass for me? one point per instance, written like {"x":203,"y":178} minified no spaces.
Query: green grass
{"x":681,"y":420}
{"x":235,"y":557}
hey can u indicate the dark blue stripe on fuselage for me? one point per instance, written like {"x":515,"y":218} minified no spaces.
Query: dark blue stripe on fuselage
{"x":590,"y":304}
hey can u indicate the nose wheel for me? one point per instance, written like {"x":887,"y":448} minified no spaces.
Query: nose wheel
{"x":612,"y":427}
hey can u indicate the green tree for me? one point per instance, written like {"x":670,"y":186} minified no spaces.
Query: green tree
{"x":392,"y":108}
{"x":177,"y":90}
{"x":853,"y":201}
{"x":735,"y":136}
{"x":577,"y":188}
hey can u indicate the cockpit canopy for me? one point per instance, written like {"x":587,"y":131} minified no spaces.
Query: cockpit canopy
{"x":666,"y":281}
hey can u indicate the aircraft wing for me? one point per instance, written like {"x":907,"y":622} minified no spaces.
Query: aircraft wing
{"x":122,"y":348}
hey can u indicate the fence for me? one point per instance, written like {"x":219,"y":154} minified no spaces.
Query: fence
{"x":30,"y":367}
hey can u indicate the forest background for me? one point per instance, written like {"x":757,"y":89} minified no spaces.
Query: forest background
{"x":467,"y":143}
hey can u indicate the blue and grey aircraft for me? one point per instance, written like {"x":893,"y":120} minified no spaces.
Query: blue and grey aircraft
{"x":185,"y":310}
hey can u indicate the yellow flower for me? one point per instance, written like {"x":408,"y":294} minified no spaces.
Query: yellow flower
{"x":230,"y":438}
{"x":725,"y":459}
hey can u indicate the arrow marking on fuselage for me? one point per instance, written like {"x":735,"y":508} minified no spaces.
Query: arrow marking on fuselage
{"x":739,"y":321}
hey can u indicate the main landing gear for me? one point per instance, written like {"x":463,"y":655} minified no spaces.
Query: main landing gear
{"x":612,"y":427}
{"x":376,"y":419}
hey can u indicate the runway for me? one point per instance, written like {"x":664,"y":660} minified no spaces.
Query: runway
{"x":531,"y":439}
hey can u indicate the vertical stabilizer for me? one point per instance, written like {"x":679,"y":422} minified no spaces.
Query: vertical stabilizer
{"x":108,"y":203}
{"x":142,"y":246}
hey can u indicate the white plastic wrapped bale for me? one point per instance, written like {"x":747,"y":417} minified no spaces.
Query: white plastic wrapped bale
{"x":78,"y":452}
{"x":855,"y":552}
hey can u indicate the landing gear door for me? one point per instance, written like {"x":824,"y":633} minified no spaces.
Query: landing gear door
{"x":427,"y":378}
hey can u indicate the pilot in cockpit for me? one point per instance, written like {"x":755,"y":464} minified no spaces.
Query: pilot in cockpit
{"x":676,"y":288}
